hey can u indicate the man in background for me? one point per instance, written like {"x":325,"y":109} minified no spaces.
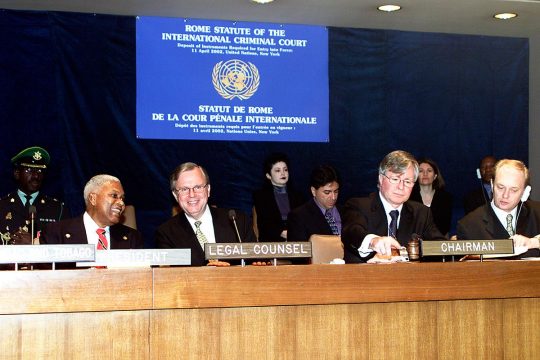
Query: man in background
{"x":387,"y":220}
{"x":509,"y":214}
{"x":483,"y":194}
{"x":319,"y":215}
{"x":199,"y":223}
{"x":19,"y":207}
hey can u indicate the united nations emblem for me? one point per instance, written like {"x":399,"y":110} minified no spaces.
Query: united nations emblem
{"x":235,"y":78}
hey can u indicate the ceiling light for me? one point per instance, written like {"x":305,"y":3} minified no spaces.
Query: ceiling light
{"x":262,"y":1}
{"x":389,"y":8}
{"x":505,"y":16}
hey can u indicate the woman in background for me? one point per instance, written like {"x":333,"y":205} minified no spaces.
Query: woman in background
{"x":275,"y":200}
{"x":429,"y":190}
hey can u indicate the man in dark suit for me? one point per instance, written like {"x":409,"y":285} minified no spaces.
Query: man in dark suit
{"x":509,"y":214}
{"x":319,"y":215}
{"x":483,"y":194}
{"x":100,"y":224}
{"x":29,"y":170}
{"x":387,"y":219}
{"x":198,"y":223}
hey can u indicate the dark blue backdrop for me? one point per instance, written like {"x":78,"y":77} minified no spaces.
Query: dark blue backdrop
{"x":67,"y":82}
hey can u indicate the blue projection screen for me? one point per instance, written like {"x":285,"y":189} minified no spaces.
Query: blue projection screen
{"x":224,"y":80}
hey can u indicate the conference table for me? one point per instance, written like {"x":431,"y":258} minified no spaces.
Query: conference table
{"x":471,"y":310}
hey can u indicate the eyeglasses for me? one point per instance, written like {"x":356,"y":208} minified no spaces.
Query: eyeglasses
{"x":395,"y":180}
{"x":197,"y":189}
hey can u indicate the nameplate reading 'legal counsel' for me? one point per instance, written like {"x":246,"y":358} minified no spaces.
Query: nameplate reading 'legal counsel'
{"x":467,"y":247}
{"x":257,"y":250}
{"x":10,"y":254}
{"x":140,"y":257}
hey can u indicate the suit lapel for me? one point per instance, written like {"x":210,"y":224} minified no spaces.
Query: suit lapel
{"x":378,"y":217}
{"x":522,"y":221}
{"x":406,"y":224}
{"x":492,"y":224}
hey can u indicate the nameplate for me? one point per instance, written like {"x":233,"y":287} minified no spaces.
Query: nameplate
{"x":467,"y":247}
{"x":32,"y":254}
{"x":139,"y":257}
{"x":260,"y":250}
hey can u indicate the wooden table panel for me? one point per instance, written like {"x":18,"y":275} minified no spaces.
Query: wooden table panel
{"x":75,"y":290}
{"x":341,"y":284}
{"x":88,"y":335}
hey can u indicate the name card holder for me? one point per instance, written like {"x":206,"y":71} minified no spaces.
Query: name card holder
{"x":257,"y":250}
{"x":38,"y":254}
{"x":139,"y":258}
{"x":467,"y":247}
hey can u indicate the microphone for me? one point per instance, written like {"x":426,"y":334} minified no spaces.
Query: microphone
{"x":232,"y":216}
{"x":32,"y":210}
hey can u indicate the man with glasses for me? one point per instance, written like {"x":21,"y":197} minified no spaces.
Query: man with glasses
{"x":319,"y":215}
{"x":387,"y":220}
{"x":18,"y":208}
{"x":199,"y":223}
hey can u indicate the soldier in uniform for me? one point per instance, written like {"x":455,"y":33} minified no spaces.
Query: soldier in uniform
{"x":17,"y":208}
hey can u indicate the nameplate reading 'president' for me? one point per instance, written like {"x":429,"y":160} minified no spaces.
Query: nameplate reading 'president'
{"x":261,"y":250}
{"x":467,"y":247}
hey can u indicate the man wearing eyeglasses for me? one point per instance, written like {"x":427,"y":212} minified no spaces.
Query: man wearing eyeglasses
{"x":386,"y":219}
{"x":100,"y":224}
{"x":199,"y":223}
{"x":17,"y":208}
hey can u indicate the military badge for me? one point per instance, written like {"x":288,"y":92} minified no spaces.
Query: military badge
{"x":37,"y":155}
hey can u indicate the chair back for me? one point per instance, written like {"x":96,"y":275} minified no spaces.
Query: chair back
{"x":128,"y":217}
{"x":325,"y":248}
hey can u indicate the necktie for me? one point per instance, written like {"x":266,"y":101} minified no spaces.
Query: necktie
{"x":27,"y":203}
{"x":509,"y":226}
{"x":200,"y":236}
{"x":392,"y":229}
{"x":102,"y":243}
{"x":331,"y":221}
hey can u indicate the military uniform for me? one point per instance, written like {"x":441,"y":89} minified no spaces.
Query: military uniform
{"x":29,"y":169}
{"x":14,"y":216}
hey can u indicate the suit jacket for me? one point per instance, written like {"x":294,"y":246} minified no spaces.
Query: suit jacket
{"x":363,"y":216}
{"x":441,"y":207}
{"x":307,"y":220}
{"x":178,"y":233}
{"x":269,"y":219}
{"x":72,"y":231}
{"x":13,"y":214}
{"x":475,"y":199}
{"x":483,"y":224}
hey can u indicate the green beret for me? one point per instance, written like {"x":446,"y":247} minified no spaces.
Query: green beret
{"x":34,"y":157}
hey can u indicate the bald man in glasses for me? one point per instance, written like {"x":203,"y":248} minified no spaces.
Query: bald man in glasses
{"x":386,"y":219}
